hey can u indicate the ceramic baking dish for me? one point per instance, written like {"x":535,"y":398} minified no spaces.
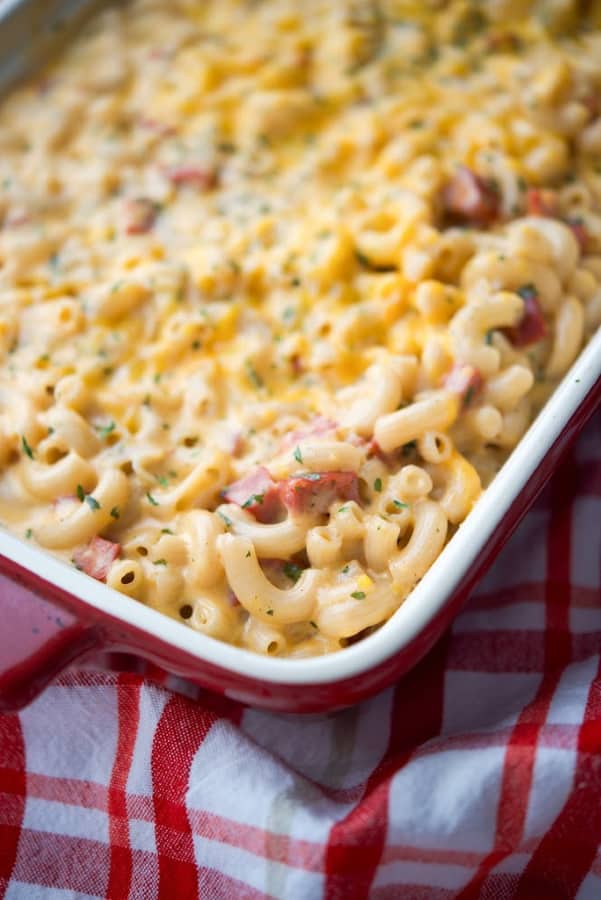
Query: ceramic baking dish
{"x":52,"y":614}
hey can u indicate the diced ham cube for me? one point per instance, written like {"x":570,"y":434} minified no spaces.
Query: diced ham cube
{"x":140,"y":215}
{"x":319,"y":427}
{"x":96,"y":557}
{"x":578,"y":229}
{"x":470,"y":198}
{"x":17,"y":217}
{"x":542,"y":202}
{"x":316,"y":491}
{"x":532,"y":326}
{"x":593,"y":104}
{"x":465,"y":381}
{"x":160,"y":128}
{"x":197,"y":176}
{"x":258,"y":493}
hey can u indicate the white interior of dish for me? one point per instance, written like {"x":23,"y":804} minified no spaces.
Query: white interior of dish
{"x":417,"y":610}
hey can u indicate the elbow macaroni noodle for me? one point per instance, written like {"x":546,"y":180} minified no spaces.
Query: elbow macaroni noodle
{"x":280,"y":290}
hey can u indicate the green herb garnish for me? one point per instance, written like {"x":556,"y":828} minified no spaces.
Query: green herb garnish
{"x":105,"y":430}
{"x":378,"y":485}
{"x":527,"y":291}
{"x":228,"y":521}
{"x":253,"y":375}
{"x":292,"y":571}
{"x":254,"y":498}
{"x":26,"y":448}
{"x":151,"y":499}
{"x":358,"y":595}
{"x":298,"y":455}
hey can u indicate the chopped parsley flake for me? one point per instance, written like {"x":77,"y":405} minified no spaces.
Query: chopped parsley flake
{"x":26,"y":448}
{"x":29,"y":534}
{"x":162,"y":480}
{"x":378,"y":485}
{"x":80,"y":493}
{"x":254,"y":498}
{"x":488,"y":338}
{"x":160,"y":562}
{"x":166,"y":531}
{"x":253,"y":375}
{"x":228,"y":521}
{"x":298,"y":455}
{"x":151,"y":499}
{"x":358,"y":595}
{"x":92,"y":502}
{"x":346,"y":570}
{"x":400,"y":505}
{"x":105,"y":430}
{"x":292,"y":571}
{"x":527,"y":291}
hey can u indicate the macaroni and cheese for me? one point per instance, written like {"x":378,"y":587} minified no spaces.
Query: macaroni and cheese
{"x":281,"y":287}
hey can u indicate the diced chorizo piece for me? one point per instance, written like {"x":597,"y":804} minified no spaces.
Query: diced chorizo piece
{"x":541,"y":202}
{"x":95,"y":558}
{"x":201,"y":177}
{"x":470,"y":198}
{"x":532,"y":326}
{"x":258,"y":493}
{"x":465,"y":381}
{"x":316,"y":491}
{"x":140,"y":215}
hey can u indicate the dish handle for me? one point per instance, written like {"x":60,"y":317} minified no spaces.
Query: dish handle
{"x":38,"y":639}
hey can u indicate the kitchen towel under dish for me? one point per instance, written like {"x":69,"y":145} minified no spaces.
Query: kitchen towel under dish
{"x":477,"y":776}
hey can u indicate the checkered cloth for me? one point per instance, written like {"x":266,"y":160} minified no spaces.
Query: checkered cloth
{"x":478,"y":775}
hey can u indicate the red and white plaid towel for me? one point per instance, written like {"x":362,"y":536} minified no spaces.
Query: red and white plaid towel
{"x":479,"y":775}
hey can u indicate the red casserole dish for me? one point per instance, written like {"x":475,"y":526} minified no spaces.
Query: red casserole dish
{"x":58,"y":615}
